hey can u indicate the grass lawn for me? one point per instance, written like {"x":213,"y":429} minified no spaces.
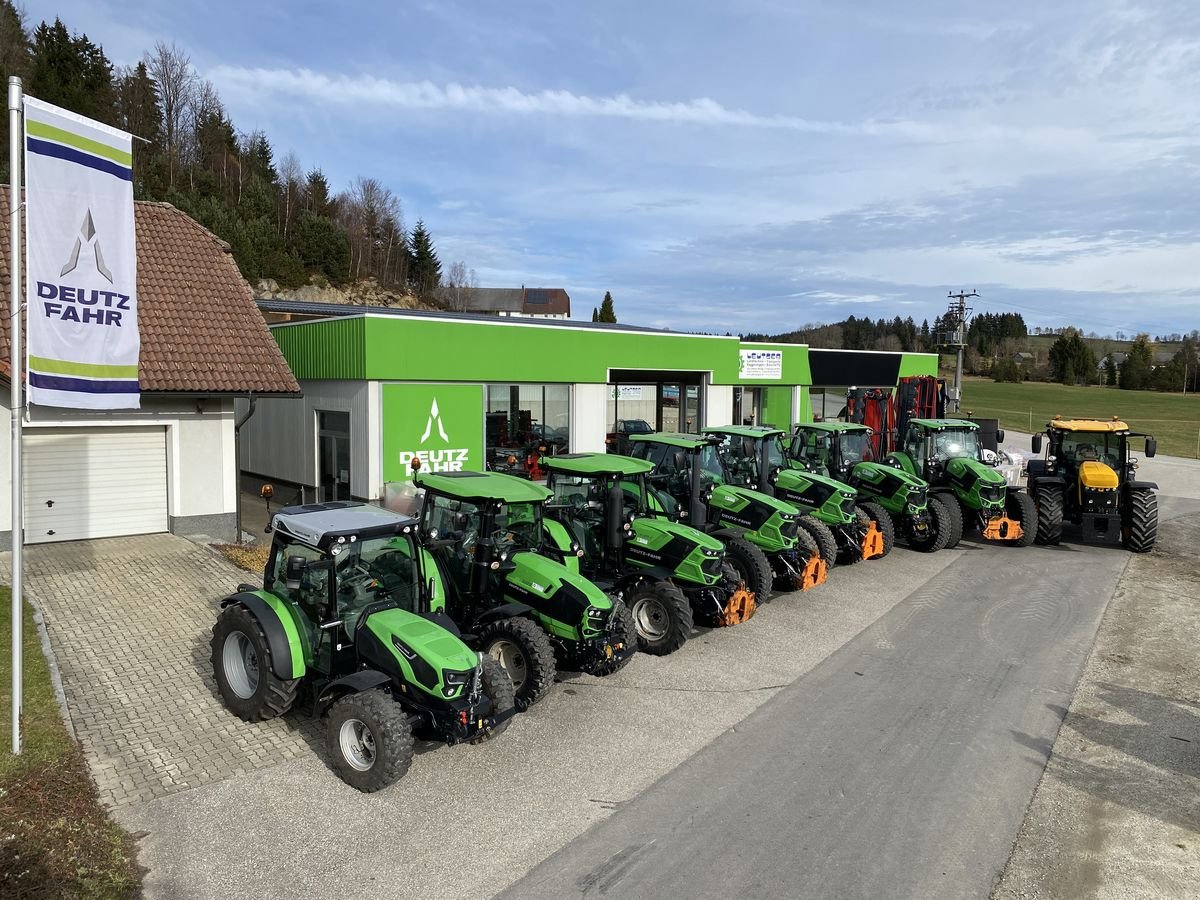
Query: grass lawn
{"x":56,"y":840}
{"x":1173,"y":419}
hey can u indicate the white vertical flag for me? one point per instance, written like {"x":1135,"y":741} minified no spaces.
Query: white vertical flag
{"x":81,"y":281}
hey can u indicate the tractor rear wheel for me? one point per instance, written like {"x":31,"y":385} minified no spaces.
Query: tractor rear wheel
{"x":662,"y":616}
{"x":1049,"y":501}
{"x":498,"y":688}
{"x":370,"y":740}
{"x":883,"y":521}
{"x":752,"y":567}
{"x":938,"y":532}
{"x":524,"y":651}
{"x":1142,"y":530}
{"x":819,"y":531}
{"x":620,"y":629}
{"x":241,"y":660}
{"x":954,"y":516}
{"x":1020,"y":506}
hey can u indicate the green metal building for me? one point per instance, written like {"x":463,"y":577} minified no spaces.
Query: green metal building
{"x":464,"y":392}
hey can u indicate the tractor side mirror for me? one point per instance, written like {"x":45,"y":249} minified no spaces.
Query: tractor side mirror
{"x":1037,"y":443}
{"x":1151,"y":447}
{"x":294,"y":571}
{"x":999,"y":435}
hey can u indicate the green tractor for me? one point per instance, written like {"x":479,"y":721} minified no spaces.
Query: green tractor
{"x":947,"y":454}
{"x":842,"y":450}
{"x":843,"y":530}
{"x":349,"y":621}
{"x":485,"y":531}
{"x":1089,"y":479}
{"x":671,"y":574}
{"x":762,"y":535}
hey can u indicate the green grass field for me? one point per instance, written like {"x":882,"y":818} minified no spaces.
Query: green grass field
{"x":1173,"y":419}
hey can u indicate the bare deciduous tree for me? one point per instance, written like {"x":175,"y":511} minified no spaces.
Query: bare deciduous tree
{"x":171,"y":69}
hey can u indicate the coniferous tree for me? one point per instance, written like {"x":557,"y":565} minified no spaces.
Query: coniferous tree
{"x":1137,"y":370}
{"x":139,"y":113}
{"x":595,"y":314}
{"x":424,"y":268}
{"x":607,"y":313}
{"x":70,"y":71}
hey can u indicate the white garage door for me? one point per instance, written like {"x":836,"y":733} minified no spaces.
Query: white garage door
{"x":94,"y":482}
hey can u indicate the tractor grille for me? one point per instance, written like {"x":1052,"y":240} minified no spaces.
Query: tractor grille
{"x":711,"y":566}
{"x":992,"y":493}
{"x":918,"y":496}
{"x":848,"y":505}
{"x":789,"y":528}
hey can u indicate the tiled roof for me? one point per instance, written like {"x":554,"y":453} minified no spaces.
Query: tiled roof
{"x":200,"y":329}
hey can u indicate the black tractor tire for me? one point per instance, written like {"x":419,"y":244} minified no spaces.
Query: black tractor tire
{"x":1142,"y":531}
{"x":662,"y":617}
{"x":1049,"y":501}
{"x":241,"y":661}
{"x":939,"y":530}
{"x":620,"y":628}
{"x":1020,"y":506}
{"x":370,"y":740}
{"x":498,"y":688}
{"x":826,"y":542}
{"x":883,"y":521}
{"x":954,"y":516}
{"x":524,"y":651}
{"x":752,"y":567}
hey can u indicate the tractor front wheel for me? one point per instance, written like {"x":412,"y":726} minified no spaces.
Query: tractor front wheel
{"x":1142,"y":529}
{"x":370,"y":740}
{"x":752,"y":567}
{"x":1049,"y":501}
{"x":819,"y":532}
{"x":954,"y":518}
{"x":662,"y":617}
{"x":620,"y":630}
{"x":938,"y":532}
{"x":1020,"y":506}
{"x":883,"y":521}
{"x":241,"y":660}
{"x":498,"y":688}
{"x":524,"y":651}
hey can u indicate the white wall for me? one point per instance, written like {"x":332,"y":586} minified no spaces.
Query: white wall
{"x":718,"y":406}
{"x":202,"y":478}
{"x":589,"y":403}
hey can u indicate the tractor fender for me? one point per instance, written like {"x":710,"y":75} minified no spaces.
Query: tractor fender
{"x":505,"y":611}
{"x":282,"y":637}
{"x":723,"y":534}
{"x":362,"y":680}
{"x":1039,"y":480}
{"x":1142,"y":485}
{"x":654,"y":573}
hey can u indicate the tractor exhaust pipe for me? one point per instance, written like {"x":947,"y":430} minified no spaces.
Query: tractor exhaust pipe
{"x":615,"y":515}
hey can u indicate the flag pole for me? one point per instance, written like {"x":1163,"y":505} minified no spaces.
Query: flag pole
{"x":16,"y":359}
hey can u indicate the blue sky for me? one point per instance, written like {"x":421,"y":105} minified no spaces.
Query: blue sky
{"x":750,"y":166}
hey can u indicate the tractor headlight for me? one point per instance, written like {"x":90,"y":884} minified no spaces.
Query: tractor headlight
{"x":712,"y":554}
{"x":627,"y":526}
{"x":594,"y":613}
{"x":453,"y":681}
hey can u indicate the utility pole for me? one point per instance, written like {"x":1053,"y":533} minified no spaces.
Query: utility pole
{"x":955,"y":321}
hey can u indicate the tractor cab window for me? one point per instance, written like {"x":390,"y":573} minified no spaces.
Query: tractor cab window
{"x":957,"y":444}
{"x":812,"y":446}
{"x":516,"y":526}
{"x":582,"y":501}
{"x":740,"y":458}
{"x":1081,"y":446}
{"x":371,"y":570}
{"x":312,"y":596}
{"x":856,"y":447}
{"x":711,"y":470}
{"x":454,"y":519}
{"x":914,"y":444}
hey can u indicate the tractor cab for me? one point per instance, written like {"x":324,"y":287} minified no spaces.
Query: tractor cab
{"x":1088,"y":478}
{"x":831,"y":448}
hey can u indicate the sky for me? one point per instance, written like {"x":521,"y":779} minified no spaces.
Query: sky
{"x":743,"y":167}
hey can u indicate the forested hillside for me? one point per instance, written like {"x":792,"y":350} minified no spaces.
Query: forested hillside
{"x":284,"y":222}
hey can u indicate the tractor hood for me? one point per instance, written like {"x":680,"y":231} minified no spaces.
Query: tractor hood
{"x":798,"y":479}
{"x":871,"y":471}
{"x":660,"y":531}
{"x":963,"y":469}
{"x":432,"y":643}
{"x":543,"y":577}
{"x":732,"y":496}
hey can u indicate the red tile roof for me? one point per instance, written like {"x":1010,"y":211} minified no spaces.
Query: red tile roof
{"x":200,"y":329}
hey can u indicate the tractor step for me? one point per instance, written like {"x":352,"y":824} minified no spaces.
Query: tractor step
{"x":740,"y":607}
{"x":1002,"y":528}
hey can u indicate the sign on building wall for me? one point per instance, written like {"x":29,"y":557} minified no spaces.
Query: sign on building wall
{"x":760,"y":364}
{"x":81,"y":291}
{"x":441,"y":424}
{"x":626,"y":392}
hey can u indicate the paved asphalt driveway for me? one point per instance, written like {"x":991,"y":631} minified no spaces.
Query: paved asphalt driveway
{"x":130,"y":620}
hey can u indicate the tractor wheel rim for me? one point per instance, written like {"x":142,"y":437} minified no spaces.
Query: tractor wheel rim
{"x":652,"y":618}
{"x":240,"y":660}
{"x":512,"y":660}
{"x":357,"y":743}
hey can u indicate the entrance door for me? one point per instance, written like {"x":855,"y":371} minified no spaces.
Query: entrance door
{"x":747,"y":406}
{"x":333,"y":456}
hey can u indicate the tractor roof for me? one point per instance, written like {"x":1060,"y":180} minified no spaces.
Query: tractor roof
{"x":321,"y":524}
{"x":482,"y":486}
{"x":943,"y":424}
{"x":746,"y":431}
{"x":587,"y":464}
{"x":674,"y":438}
{"x":1095,"y":425}
{"x":831,"y":426}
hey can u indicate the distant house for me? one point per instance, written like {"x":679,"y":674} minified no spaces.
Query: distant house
{"x":523,"y":302}
{"x":1118,"y":358}
{"x":1022,"y":358}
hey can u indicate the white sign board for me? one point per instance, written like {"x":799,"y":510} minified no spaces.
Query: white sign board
{"x":627,"y":392}
{"x":761,"y":364}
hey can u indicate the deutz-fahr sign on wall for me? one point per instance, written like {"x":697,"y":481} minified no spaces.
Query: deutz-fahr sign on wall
{"x":440,"y":424}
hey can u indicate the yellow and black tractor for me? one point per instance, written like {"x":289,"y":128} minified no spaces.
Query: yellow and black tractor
{"x":1089,"y":479}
